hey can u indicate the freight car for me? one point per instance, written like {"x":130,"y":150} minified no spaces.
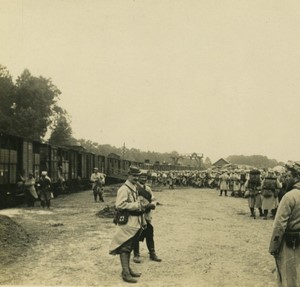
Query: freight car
{"x":69,"y":167}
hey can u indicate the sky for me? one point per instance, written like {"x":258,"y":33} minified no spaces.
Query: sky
{"x":215,"y":77}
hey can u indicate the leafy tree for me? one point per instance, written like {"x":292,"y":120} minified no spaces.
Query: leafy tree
{"x":207,"y":162}
{"x":253,"y":160}
{"x":35,"y":100}
{"x":7,"y":92}
{"x":61,"y":130}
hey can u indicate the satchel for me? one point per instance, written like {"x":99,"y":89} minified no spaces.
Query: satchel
{"x":121,"y":216}
{"x":292,"y":239}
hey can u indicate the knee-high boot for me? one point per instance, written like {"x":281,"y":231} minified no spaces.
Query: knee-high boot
{"x":273,"y":211}
{"x":260,"y":212}
{"x":265,"y":214}
{"x":127,"y":277}
{"x":221,"y":191}
{"x":136,"y":252}
{"x":152,"y":253}
{"x":132,"y":273}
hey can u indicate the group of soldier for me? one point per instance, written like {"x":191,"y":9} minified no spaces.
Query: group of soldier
{"x":270,"y":192}
{"x":37,"y":189}
{"x":263,"y":189}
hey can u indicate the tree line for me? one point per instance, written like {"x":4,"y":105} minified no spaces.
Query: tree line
{"x":29,"y":108}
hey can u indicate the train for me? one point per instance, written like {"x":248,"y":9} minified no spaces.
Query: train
{"x":69,"y":167}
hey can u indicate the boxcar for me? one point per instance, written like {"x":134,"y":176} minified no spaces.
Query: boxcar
{"x":18,"y":158}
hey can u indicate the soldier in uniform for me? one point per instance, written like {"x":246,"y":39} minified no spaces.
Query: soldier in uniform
{"x":97,"y":180}
{"x":270,"y":187}
{"x":148,"y":200}
{"x":45,"y":192}
{"x":224,"y":179}
{"x":126,"y":234}
{"x":285,"y":240}
{"x":30,"y":192}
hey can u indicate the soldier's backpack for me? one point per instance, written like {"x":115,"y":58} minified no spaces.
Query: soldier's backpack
{"x":254,"y":179}
{"x":269,"y":183}
{"x":243,"y":177}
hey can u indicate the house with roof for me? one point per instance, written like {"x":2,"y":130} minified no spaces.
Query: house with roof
{"x":220,"y":163}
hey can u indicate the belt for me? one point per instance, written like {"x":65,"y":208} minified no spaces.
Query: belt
{"x":136,"y":213}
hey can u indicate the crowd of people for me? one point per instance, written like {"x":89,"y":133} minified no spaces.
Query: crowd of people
{"x":270,"y":192}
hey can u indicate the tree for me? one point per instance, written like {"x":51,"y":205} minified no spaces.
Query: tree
{"x":7,"y":92}
{"x":61,"y":130}
{"x":35,"y":100}
{"x":207,"y":162}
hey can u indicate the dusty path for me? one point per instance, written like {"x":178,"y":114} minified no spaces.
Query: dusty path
{"x":203,"y":239}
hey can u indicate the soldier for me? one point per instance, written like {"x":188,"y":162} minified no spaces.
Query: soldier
{"x":45,"y":192}
{"x":127,"y":233}
{"x":224,"y":178}
{"x":30,"y":192}
{"x":285,"y":240}
{"x":270,"y":187}
{"x":97,"y":180}
{"x":253,"y":187}
{"x":148,"y":200}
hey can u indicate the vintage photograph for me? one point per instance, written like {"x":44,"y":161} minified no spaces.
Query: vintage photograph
{"x":149,"y":143}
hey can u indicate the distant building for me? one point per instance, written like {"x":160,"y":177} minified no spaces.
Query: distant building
{"x":220,"y":163}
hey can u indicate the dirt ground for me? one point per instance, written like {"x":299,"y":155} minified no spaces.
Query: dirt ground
{"x":202,"y":238}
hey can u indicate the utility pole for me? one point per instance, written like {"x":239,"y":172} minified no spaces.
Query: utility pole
{"x":123,"y":151}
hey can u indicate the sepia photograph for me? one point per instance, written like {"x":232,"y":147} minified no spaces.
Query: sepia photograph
{"x":150,"y":143}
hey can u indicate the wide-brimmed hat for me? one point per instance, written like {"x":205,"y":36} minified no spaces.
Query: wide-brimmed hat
{"x":134,"y":170}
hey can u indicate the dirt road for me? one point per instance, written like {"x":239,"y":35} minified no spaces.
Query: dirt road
{"x":203,"y":239}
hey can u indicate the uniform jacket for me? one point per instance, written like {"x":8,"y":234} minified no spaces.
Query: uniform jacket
{"x":287,"y":218}
{"x":145,"y":202}
{"x":127,"y":198}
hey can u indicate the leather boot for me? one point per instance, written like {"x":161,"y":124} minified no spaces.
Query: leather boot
{"x":136,"y":252}
{"x":273,"y":211}
{"x":252,"y":212}
{"x":261,"y":214}
{"x":132,"y":273}
{"x":154,"y":257}
{"x":265,"y":214}
{"x":124,"y":258}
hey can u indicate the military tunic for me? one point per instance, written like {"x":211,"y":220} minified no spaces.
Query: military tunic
{"x":287,"y":218}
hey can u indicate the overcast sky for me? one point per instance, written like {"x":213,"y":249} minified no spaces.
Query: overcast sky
{"x":213,"y":77}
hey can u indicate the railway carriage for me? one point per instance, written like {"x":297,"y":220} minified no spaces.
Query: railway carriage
{"x":69,"y":167}
{"x":18,"y":158}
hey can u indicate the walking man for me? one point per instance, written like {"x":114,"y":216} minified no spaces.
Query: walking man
{"x":97,"y":180}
